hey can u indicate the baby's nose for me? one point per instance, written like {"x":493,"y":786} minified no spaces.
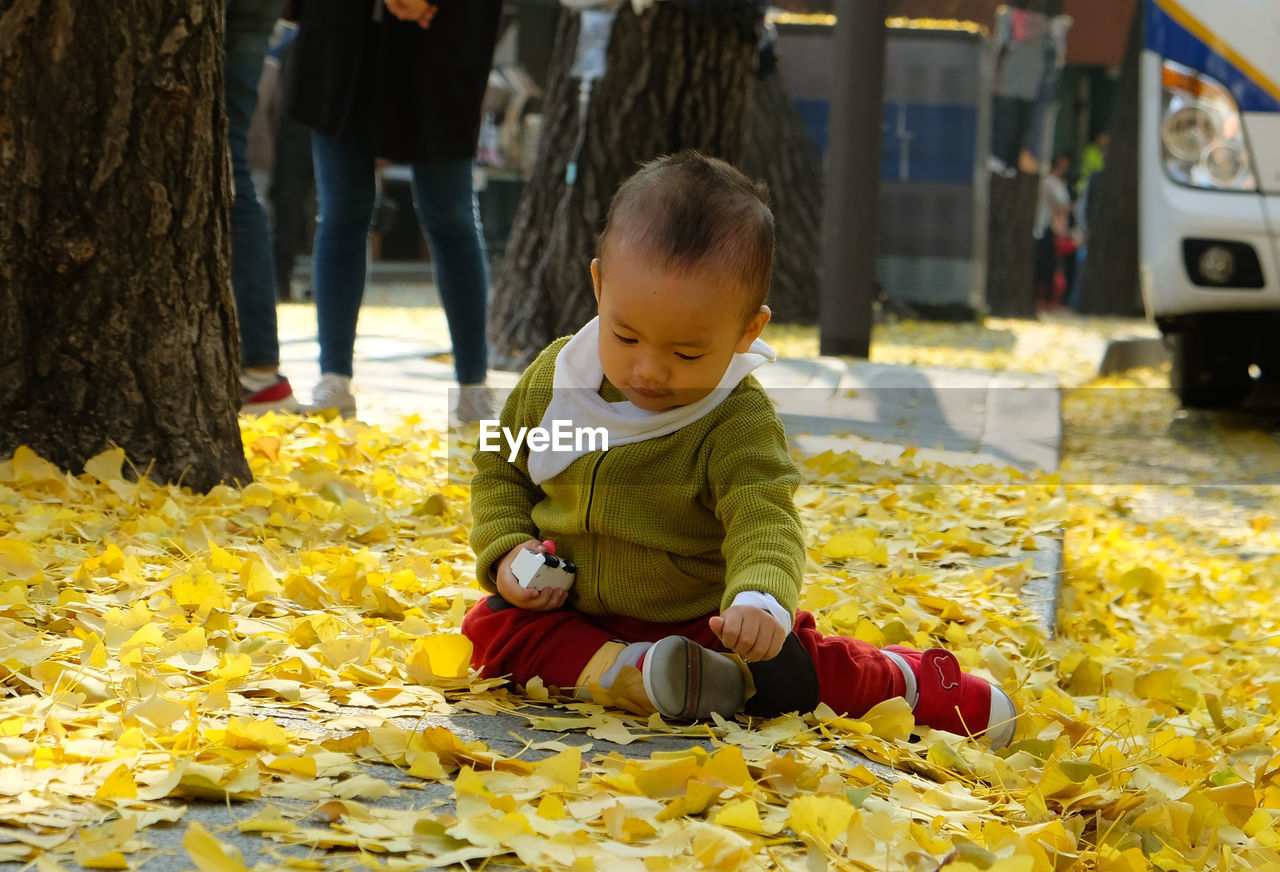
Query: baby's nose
{"x":649,"y":368}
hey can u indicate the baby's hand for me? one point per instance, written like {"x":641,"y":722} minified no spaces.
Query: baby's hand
{"x":509,"y":588}
{"x":750,"y":632}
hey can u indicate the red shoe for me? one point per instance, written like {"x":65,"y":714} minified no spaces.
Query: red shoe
{"x":262,"y":394}
{"x":948,"y":698}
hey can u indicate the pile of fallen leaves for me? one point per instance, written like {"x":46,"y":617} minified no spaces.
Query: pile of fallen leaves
{"x":283,"y":645}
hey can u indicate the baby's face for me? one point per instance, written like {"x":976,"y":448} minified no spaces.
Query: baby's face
{"x":666,"y":338}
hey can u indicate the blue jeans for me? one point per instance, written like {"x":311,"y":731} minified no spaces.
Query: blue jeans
{"x":444,"y":198}
{"x":1073,"y":296}
{"x":249,"y":24}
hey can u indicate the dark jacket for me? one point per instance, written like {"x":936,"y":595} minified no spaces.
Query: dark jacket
{"x":403,"y":93}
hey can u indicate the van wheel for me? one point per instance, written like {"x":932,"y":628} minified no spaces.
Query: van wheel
{"x":1210,"y":367}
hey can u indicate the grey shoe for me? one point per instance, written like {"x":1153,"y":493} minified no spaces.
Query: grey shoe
{"x":685,"y":681}
{"x":475,"y":403}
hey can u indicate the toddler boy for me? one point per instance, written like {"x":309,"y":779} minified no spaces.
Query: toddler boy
{"x":684,"y":531}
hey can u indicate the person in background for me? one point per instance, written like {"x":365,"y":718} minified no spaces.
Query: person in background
{"x":1092,"y":163}
{"x":400,"y":80}
{"x":280,"y":157}
{"x":263,"y":387}
{"x":1093,"y":159}
{"x":1053,"y":218}
{"x":1085,"y":210}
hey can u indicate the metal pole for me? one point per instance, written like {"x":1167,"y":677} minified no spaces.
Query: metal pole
{"x":852,"y":202}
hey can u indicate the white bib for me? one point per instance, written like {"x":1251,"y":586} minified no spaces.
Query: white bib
{"x":575,"y":398}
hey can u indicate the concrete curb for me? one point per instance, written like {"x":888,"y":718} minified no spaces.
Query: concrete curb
{"x":1123,"y":354}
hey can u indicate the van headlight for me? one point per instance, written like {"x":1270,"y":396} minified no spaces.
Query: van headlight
{"x":1201,"y":134}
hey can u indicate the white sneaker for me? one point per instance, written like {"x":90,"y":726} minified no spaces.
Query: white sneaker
{"x":333,"y":394}
{"x":475,"y":403}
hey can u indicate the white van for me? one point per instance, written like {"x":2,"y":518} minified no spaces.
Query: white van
{"x":1210,"y":191}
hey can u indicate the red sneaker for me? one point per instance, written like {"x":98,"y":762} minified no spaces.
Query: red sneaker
{"x":259,"y":395}
{"x":948,"y":698}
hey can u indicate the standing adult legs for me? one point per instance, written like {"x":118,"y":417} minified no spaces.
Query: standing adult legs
{"x":445,"y":199}
{"x":345,"y":193}
{"x":292,"y":193}
{"x":1046,"y":268}
{"x":248,"y":29}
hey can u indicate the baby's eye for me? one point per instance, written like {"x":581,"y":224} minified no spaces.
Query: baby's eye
{"x":688,"y":356}
{"x":624,"y":340}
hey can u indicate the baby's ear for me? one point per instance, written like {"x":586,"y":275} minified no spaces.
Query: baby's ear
{"x":595,"y":277}
{"x":751,"y":332}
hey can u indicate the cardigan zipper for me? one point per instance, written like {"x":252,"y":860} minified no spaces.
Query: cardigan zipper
{"x":591,"y":491}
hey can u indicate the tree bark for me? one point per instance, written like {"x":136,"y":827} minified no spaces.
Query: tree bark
{"x":1011,"y":215}
{"x":117,"y":323}
{"x":1010,"y":249}
{"x":780,"y":153}
{"x":1110,"y":284}
{"x":673,"y":81}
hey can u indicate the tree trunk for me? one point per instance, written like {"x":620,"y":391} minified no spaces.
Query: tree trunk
{"x":780,"y":153}
{"x":1010,"y":251}
{"x":1110,"y":284}
{"x":117,"y":324}
{"x":1011,"y":215}
{"x":673,"y":81}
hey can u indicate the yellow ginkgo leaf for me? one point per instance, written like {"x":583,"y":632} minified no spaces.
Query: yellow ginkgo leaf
{"x":106,"y":466}
{"x":16,"y":561}
{"x":267,"y":820}
{"x":106,"y":860}
{"x":741,"y":814}
{"x":861,"y":543}
{"x":891,"y":719}
{"x":819,"y":819}
{"x":442,"y":655}
{"x":208,"y":854}
{"x":562,"y":769}
{"x":728,"y":767}
{"x":258,"y":581}
{"x":119,"y":785}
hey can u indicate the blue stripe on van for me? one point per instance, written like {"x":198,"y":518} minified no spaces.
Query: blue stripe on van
{"x":1169,"y":39}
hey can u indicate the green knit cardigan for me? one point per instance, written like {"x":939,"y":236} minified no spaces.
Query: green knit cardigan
{"x":667,"y":529}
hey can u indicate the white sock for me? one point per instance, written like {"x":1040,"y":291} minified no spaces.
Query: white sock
{"x":630,"y":656}
{"x":912,"y":693}
{"x":256,"y":381}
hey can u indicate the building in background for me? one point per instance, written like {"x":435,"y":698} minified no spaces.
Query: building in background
{"x":1095,"y":51}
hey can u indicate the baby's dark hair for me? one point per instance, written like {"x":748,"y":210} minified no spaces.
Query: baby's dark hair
{"x":697,"y":213}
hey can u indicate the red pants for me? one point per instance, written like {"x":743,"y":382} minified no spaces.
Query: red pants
{"x":852,"y":676}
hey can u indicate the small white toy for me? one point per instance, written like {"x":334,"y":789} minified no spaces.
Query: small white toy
{"x":538,"y":570}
